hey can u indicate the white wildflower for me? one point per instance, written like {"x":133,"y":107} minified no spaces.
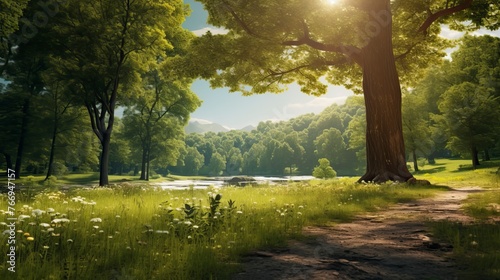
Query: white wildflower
{"x":60,"y":221}
{"x":37,"y":212}
{"x":22,"y":217}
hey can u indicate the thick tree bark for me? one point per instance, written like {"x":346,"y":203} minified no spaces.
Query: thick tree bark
{"x":385,"y":150}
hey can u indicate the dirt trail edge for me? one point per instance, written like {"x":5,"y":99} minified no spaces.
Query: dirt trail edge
{"x":391,"y":244}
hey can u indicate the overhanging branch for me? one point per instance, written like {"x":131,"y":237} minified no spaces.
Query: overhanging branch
{"x":442,"y":13}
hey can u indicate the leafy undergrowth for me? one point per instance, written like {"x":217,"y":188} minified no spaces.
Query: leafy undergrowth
{"x":134,"y":232}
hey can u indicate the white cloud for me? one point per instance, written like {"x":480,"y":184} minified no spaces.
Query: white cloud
{"x":483,"y":31}
{"x":318,"y":103}
{"x":316,"y":106}
{"x":447,"y":33}
{"x":202,"y":121}
{"x":213,"y":30}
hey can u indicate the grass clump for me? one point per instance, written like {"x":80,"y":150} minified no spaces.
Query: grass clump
{"x":483,"y":206}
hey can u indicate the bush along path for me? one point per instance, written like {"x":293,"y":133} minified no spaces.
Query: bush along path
{"x":391,"y":244}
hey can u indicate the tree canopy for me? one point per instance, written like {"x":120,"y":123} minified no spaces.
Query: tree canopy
{"x":368,"y":46}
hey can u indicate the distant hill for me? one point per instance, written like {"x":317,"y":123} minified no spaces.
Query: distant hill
{"x":198,"y":127}
{"x":248,"y":128}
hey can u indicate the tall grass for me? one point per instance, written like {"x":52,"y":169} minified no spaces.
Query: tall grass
{"x":138,"y":232}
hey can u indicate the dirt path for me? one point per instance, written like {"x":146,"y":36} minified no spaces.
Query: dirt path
{"x":392,"y":244}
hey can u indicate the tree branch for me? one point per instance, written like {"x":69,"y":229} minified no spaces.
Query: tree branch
{"x":349,"y":51}
{"x":408,"y":51}
{"x":314,"y":64}
{"x":442,"y":13}
{"x":242,"y":23}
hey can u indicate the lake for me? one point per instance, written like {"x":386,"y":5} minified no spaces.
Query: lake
{"x":218,"y":182}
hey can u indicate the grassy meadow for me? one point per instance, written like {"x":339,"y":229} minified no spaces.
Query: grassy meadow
{"x":133,"y":231}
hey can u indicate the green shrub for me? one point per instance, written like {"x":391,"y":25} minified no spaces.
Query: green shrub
{"x":324,"y":170}
{"x":59,"y":169}
{"x":51,"y":182}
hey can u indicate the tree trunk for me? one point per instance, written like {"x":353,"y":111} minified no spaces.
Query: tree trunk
{"x":8,"y":161}
{"x":415,"y":163}
{"x":143,"y":165}
{"x":431,"y":159}
{"x":52,"y":149}
{"x":486,"y":155}
{"x":385,"y":150}
{"x":147,"y":165}
{"x":475,"y":158}
{"x":104,"y":161}
{"x":22,"y":138}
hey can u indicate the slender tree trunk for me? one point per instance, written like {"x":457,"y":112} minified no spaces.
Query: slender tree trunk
{"x":22,"y":138}
{"x":147,"y":164}
{"x":8,"y":160}
{"x":143,"y":165}
{"x":415,"y":163}
{"x":104,"y":161}
{"x":385,"y":150}
{"x":431,"y":159}
{"x":475,"y":158}
{"x":486,"y":155}
{"x":52,"y":149}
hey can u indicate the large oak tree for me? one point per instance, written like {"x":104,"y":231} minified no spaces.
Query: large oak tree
{"x":370,"y":46}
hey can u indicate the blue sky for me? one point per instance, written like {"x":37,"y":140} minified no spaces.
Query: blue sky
{"x":236,"y":111}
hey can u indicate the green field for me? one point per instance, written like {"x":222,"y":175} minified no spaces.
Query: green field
{"x":133,"y":231}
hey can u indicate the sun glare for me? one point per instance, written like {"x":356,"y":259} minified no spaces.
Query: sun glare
{"x":331,"y":2}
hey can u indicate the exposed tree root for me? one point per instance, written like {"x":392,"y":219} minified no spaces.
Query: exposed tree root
{"x":384,"y":177}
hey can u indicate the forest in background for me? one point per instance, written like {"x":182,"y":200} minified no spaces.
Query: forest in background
{"x":452,"y":112}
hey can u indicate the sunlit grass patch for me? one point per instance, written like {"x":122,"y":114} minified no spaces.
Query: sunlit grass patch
{"x":459,"y":173}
